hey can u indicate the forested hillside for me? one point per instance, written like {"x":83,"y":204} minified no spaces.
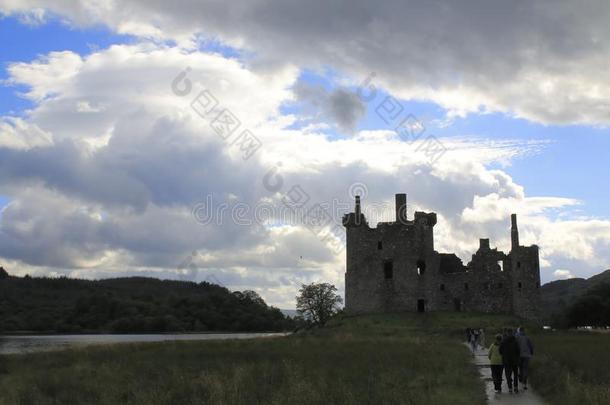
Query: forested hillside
{"x":134,"y":304}
{"x":558,"y":296}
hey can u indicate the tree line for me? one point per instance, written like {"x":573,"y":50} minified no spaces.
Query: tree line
{"x":131,"y":305}
{"x":590,"y":309}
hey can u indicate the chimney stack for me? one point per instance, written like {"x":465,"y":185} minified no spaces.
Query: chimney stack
{"x":484,"y":244}
{"x":401,"y":208}
{"x":514,"y":232}
{"x":358,"y":206}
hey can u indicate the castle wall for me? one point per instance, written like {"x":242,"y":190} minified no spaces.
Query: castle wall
{"x":492,"y":282}
{"x":526,"y":281}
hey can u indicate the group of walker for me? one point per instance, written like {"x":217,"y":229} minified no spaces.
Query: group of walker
{"x":510,"y":353}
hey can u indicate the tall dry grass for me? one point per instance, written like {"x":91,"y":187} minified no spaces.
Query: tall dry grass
{"x":387,"y":359}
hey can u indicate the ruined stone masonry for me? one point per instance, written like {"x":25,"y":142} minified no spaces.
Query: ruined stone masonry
{"x":394,"y":267}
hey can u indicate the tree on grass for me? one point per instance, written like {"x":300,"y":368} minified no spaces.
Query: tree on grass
{"x":318,"y":302}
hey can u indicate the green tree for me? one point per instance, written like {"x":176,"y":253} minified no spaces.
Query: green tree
{"x":318,"y":302}
{"x":592,"y":309}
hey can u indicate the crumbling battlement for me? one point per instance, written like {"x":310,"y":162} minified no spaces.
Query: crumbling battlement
{"x":394,"y":267}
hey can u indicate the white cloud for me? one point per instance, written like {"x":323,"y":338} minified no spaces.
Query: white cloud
{"x":86,"y":107}
{"x":493,"y":207}
{"x":16,"y":133}
{"x":563,"y":274}
{"x":109,"y":190}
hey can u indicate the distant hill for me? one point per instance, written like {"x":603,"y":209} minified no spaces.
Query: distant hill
{"x":131,"y":305}
{"x":558,"y":295}
{"x":289,"y":312}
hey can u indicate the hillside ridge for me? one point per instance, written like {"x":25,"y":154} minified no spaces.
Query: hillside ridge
{"x":131,"y":305}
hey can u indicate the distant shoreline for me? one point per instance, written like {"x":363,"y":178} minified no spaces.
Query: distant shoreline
{"x":52,"y":333}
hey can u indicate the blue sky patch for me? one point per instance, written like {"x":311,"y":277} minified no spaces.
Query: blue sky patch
{"x":23,"y":43}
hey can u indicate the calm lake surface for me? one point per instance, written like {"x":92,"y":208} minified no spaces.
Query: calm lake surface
{"x":29,"y":344}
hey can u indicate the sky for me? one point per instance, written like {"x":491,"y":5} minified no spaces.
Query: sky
{"x":187,"y":140}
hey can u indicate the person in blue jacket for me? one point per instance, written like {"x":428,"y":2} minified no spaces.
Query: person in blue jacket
{"x":526,"y":352}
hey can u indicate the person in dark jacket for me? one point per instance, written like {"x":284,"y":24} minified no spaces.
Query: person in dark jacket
{"x":509,"y":349}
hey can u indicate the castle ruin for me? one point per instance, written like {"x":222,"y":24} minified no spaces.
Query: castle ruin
{"x":394,"y":267}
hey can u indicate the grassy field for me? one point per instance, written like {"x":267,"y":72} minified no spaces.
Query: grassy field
{"x":389,"y":359}
{"x":384,"y":359}
{"x":572,"y":367}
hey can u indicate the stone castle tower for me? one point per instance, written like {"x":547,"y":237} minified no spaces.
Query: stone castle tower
{"x":394,"y":267}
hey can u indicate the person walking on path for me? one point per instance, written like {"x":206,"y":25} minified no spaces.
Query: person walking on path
{"x":482,"y":337}
{"x":473,"y":342}
{"x":495,"y":361}
{"x":526,"y":351}
{"x":509,"y":349}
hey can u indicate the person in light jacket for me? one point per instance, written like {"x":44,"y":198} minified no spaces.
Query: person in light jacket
{"x":526,"y":351}
{"x":495,"y":361}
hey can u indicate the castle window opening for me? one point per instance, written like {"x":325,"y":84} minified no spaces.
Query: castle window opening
{"x":421,"y":267}
{"x":421,"y":306}
{"x":388,"y":269}
{"x":500,"y":285}
{"x":442,"y":287}
{"x":501,"y":265}
{"x":466,"y":286}
{"x":519,"y":285}
{"x":379,"y":245}
{"x":518,"y":264}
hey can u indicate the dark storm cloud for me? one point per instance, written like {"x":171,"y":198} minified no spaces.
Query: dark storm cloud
{"x":542,"y":60}
{"x":338,"y":106}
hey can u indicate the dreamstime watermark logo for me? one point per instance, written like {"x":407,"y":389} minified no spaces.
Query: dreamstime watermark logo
{"x":358,"y":190}
{"x":315,"y":217}
{"x":294,"y":208}
{"x":406,"y":125}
